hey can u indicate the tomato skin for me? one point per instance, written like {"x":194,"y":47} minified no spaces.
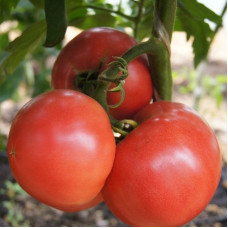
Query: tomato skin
{"x":166,"y":170}
{"x":164,"y":108}
{"x":58,"y":151}
{"x":99,"y":45}
{"x":138,"y":92}
{"x":76,"y":208}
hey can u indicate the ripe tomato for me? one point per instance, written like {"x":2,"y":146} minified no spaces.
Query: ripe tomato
{"x":92,"y":50}
{"x":61,"y":149}
{"x":166,"y":170}
{"x":75,"y":208}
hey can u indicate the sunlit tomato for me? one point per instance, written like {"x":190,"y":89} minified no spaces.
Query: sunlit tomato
{"x":166,"y":170}
{"x":92,"y":50}
{"x":61,"y":149}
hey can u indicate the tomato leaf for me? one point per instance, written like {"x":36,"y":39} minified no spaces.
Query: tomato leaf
{"x":144,"y":27}
{"x":4,"y":40}
{"x":41,"y":83}
{"x":8,"y":87}
{"x":72,"y":5}
{"x":89,"y":21}
{"x":191,"y":17}
{"x":56,"y":22}
{"x":6,"y":7}
{"x":200,"y":31}
{"x":199,"y":11}
{"x":77,"y":14}
{"x":38,"y":3}
{"x":21,"y":46}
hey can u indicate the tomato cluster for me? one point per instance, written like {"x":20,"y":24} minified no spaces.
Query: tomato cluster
{"x":94,"y":49}
{"x":62,"y":149}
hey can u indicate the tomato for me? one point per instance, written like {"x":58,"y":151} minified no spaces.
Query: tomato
{"x":92,"y":50}
{"x":61,"y":149}
{"x":138,"y":92}
{"x":166,"y":170}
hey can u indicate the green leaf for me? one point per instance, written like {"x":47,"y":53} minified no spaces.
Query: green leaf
{"x":28,"y":37}
{"x":221,"y":79}
{"x":38,"y":3}
{"x":8,"y":87}
{"x":201,"y":33}
{"x":144,"y":28}
{"x":6,"y":7}
{"x":4,"y":40}
{"x":89,"y":21}
{"x":3,"y":141}
{"x":56,"y":22}
{"x":199,"y":11}
{"x":191,"y":17}
{"x":77,"y":14}
{"x":21,"y":46}
{"x":72,"y":5}
{"x":42,"y":84}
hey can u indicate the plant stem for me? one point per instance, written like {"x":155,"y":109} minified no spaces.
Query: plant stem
{"x":157,"y":48}
{"x":138,"y":17}
{"x":89,"y":6}
{"x":151,"y":46}
{"x":165,"y":12}
{"x":160,"y":66}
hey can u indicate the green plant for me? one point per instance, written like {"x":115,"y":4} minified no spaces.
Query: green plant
{"x":13,"y":190}
{"x":28,"y":17}
{"x":213,"y":86}
{"x":2,"y":143}
{"x":74,"y":143}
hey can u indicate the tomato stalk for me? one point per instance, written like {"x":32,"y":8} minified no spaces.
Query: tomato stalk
{"x":164,"y":17}
{"x":158,"y":50}
{"x":137,"y":18}
{"x":163,"y":23}
{"x":153,"y":45}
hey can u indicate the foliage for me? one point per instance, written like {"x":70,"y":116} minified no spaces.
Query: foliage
{"x":215,"y":86}
{"x":191,"y":18}
{"x":13,"y":191}
{"x":2,"y":143}
{"x":36,"y":32}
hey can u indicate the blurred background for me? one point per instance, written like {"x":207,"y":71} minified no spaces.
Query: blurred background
{"x":200,"y":81}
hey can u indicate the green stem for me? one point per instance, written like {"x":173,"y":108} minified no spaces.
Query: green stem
{"x":118,"y":130}
{"x":160,"y":66}
{"x":89,"y":6}
{"x":138,"y":17}
{"x":165,"y":12}
{"x":155,"y":48}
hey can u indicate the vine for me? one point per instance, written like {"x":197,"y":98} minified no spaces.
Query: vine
{"x":158,"y":50}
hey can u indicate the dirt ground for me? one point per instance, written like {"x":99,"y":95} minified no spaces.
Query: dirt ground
{"x":19,"y":209}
